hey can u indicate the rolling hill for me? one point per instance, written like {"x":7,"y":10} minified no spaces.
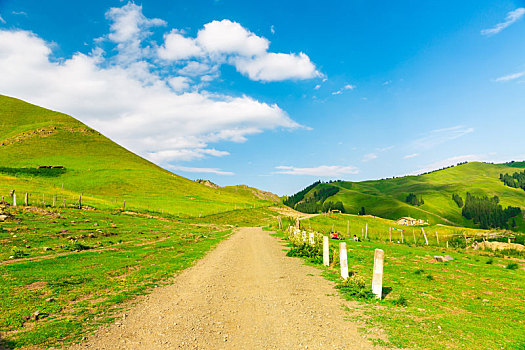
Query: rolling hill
{"x":386,"y":198}
{"x":104,"y":173}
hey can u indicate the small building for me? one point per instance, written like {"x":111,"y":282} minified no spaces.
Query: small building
{"x":408,"y":221}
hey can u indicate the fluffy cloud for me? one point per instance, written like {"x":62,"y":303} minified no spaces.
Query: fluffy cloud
{"x":322,"y":170}
{"x":510,"y":19}
{"x":276,"y":66}
{"x":178,"y":47}
{"x":130,"y":99}
{"x":227,"y":42}
{"x":229,"y":37}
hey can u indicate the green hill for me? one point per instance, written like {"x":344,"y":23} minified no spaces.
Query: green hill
{"x":105,"y":173}
{"x":386,"y":198}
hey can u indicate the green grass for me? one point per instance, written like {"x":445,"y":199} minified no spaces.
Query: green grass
{"x":386,"y":198}
{"x":105,"y":173}
{"x":99,"y":261}
{"x":462,"y":304}
{"x":378,"y":229}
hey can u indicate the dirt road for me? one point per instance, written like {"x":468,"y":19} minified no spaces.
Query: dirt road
{"x":243,"y":295}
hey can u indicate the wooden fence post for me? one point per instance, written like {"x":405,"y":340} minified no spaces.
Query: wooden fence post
{"x":424,"y":235}
{"x":326,"y":251}
{"x":343,"y":260}
{"x":26,"y":199}
{"x":402,"y":238}
{"x":377,"y":278}
{"x":437,"y":238}
{"x":414,"y":234}
{"x":80,"y":202}
{"x":54,"y":199}
{"x":390,"y":234}
{"x":124,"y":205}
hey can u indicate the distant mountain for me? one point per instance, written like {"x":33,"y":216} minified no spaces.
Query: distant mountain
{"x":89,"y":163}
{"x":387,"y":198}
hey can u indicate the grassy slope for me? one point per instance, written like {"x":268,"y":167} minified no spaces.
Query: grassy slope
{"x":97,"y":167}
{"x":472,"y":302}
{"x":386,"y":198}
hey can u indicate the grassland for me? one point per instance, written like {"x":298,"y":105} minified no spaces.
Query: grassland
{"x":81,"y":268}
{"x":104,"y":173}
{"x":347,"y":225}
{"x":472,"y":302}
{"x":386,"y":198}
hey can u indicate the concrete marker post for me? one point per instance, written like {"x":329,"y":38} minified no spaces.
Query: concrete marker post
{"x":447,"y":244}
{"x":437,"y":238}
{"x":377,"y":278}
{"x":26,"y":199}
{"x":366,"y":230}
{"x":414,"y":234}
{"x":326,"y":251}
{"x":14,"y":199}
{"x":424,"y":235}
{"x":311,"y":239}
{"x":402,"y":238}
{"x":343,"y":260}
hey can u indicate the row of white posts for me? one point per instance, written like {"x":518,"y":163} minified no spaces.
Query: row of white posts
{"x":379,"y":256}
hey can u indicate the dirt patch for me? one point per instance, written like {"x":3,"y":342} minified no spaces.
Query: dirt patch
{"x":286,"y":211}
{"x":34,"y":285}
{"x":133,"y":213}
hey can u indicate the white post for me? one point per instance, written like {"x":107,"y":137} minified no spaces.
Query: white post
{"x":343,"y":260}
{"x":311,"y":239}
{"x":447,"y":244}
{"x":326,"y":251}
{"x":14,"y":199}
{"x":304,"y":236}
{"x":390,"y":233}
{"x":424,"y":235}
{"x":437,"y":238}
{"x":377,"y":278}
{"x":366,"y":230}
{"x":26,"y":199}
{"x":402,"y":238}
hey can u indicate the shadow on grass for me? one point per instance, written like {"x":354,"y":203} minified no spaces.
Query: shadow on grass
{"x":6,"y":345}
{"x":385,"y":292}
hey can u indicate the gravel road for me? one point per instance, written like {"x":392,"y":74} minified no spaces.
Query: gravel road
{"x":245,"y":294}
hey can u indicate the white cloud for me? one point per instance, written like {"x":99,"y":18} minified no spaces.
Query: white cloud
{"x":413,"y":155}
{"x":2,"y":20}
{"x":20,"y":13}
{"x":368,"y":157}
{"x":227,"y":42}
{"x":322,"y":170}
{"x":511,"y":18}
{"x":128,"y":29}
{"x":276,"y":67}
{"x":179,"y":83}
{"x":317,"y":87}
{"x":346,"y":87}
{"x":272,"y":29}
{"x":440,"y":136}
{"x":178,"y":47}
{"x":510,"y":77}
{"x":200,"y":170}
{"x":384,"y":149}
{"x":230,"y":38}
{"x":387,"y":82}
{"x":130,"y":102}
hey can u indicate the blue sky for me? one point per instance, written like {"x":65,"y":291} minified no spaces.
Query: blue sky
{"x":278,"y":94}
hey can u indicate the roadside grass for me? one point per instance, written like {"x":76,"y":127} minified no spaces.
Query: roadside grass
{"x":99,"y":261}
{"x":464,"y":303}
{"x":241,"y":218}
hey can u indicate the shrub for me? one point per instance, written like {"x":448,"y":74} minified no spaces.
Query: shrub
{"x":77,"y":246}
{"x":430,"y":277}
{"x":401,"y":301}
{"x":17,"y":253}
{"x":355,"y":286}
{"x":490,"y":261}
{"x":419,"y":271}
{"x":312,"y":253}
{"x":512,"y":266}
